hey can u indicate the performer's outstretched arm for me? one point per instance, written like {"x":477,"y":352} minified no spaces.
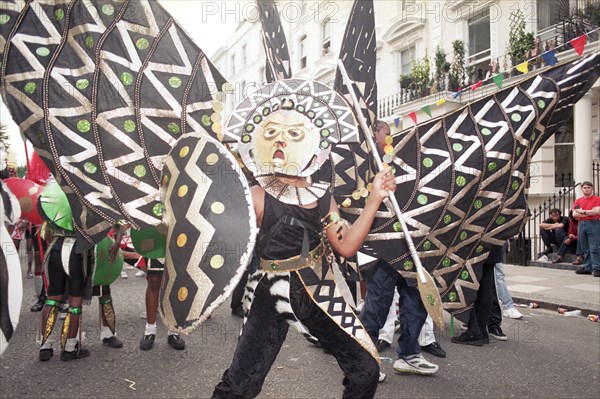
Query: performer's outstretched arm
{"x":353,"y":238}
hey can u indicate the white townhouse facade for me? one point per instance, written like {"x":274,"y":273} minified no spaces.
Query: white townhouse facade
{"x":409,"y":30}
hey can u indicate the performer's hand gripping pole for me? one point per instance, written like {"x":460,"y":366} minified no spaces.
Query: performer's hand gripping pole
{"x":427,"y":288}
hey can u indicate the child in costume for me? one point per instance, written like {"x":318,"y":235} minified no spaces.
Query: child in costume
{"x":288,"y":128}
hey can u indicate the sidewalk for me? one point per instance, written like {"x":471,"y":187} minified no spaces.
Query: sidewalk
{"x":553,"y":288}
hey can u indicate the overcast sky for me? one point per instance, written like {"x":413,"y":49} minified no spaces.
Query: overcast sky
{"x":209,"y":23}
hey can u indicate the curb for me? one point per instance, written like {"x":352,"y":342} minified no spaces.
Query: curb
{"x":550,"y":265}
{"x":585,"y":312}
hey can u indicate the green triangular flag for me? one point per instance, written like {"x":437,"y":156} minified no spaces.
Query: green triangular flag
{"x":498,"y":79}
{"x":427,"y":110}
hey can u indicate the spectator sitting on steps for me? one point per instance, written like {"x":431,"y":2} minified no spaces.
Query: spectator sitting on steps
{"x":554,"y":230}
{"x":570,"y":242}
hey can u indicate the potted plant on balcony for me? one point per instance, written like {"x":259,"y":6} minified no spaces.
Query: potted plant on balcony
{"x":457,"y":69}
{"x":442,"y":68}
{"x":421,"y":73}
{"x":520,"y":43}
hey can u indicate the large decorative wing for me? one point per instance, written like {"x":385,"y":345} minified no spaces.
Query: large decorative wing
{"x":103,"y":90}
{"x":211,"y":228}
{"x":461,"y":178}
{"x":278,"y":57}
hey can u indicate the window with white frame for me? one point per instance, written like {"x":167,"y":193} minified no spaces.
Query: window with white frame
{"x":564,"y":147}
{"x":479,"y":35}
{"x":326,"y":36}
{"x":407,"y":56}
{"x":244,"y":56}
{"x":232,"y":63}
{"x":302,"y":52}
{"x":551,"y":12}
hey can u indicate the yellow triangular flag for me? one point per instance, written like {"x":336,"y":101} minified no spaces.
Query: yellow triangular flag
{"x":523,"y":67}
{"x":441,"y":101}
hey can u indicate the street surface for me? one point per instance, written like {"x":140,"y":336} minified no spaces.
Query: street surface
{"x":547,"y":356}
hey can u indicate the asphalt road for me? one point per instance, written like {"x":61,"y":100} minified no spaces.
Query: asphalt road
{"x":547,"y":356}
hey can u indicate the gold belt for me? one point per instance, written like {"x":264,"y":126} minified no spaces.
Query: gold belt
{"x":294,"y":263}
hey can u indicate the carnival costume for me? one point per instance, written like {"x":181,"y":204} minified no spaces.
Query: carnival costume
{"x":294,"y":284}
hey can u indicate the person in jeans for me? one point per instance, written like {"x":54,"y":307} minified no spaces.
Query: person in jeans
{"x":554,"y":229}
{"x":570,"y":241}
{"x":586,"y":210}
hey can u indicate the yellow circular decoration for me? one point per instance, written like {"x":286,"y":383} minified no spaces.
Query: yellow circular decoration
{"x":347,"y":202}
{"x":184,"y":151}
{"x":217,"y":106}
{"x":212,"y":159}
{"x":388,"y":149}
{"x":215,"y":117}
{"x":389,"y":140}
{"x":364,"y":192}
{"x":220,"y":96}
{"x":182,"y":294}
{"x":217,"y":208}
{"x":181,"y":240}
{"x":165,"y":180}
{"x":217,"y":261}
{"x":217,"y":128}
{"x":356,"y":195}
{"x":370,"y":187}
{"x":182,"y":191}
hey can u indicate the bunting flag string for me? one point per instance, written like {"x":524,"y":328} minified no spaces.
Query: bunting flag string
{"x":549,"y":58}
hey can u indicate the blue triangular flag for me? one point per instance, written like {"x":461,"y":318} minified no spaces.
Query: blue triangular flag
{"x":397,"y":121}
{"x":549,"y":57}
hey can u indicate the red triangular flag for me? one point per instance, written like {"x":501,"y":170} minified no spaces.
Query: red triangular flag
{"x":476,"y":85}
{"x":579,"y":43}
{"x":413,"y":116}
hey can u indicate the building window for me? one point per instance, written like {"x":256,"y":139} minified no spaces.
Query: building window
{"x":407,"y":56}
{"x":479,"y":35}
{"x":303,"y":52}
{"x":326,"y":36}
{"x":232,"y":62}
{"x":244,"y":56}
{"x":563,"y":155}
{"x":551,"y":12}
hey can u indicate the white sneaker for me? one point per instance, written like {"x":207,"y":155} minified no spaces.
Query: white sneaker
{"x":124,"y":274}
{"x":140,"y":273}
{"x":512,"y":313}
{"x":381,"y":377}
{"x":417,"y":364}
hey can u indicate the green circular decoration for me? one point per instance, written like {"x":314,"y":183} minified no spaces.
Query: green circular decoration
{"x":397,"y":227}
{"x":42,"y":51}
{"x":422,"y":199}
{"x":129,"y":126}
{"x":89,"y":42}
{"x":463,"y":235}
{"x":485,"y":131}
{"x":447,"y":219}
{"x":457,"y":147}
{"x":173,"y":128}
{"x":257,"y":119}
{"x":461,"y":181}
{"x":127,"y":78}
{"x":492,"y":166}
{"x":408,"y":265}
{"x":245,"y":138}
{"x":106,"y":273}
{"x":479,"y":249}
{"x":142,"y":43}
{"x":324,"y":144}
{"x":515,"y":185}
{"x":500,"y":220}
{"x":325,"y":133}
{"x":319,"y":123}
{"x":108,"y":9}
{"x":90,"y":168}
{"x":139,"y":171}
{"x":452,"y":296}
{"x":175,"y":82}
{"x":82,"y":84}
{"x":84,"y":126}
{"x":516,"y":117}
{"x":427,"y":245}
{"x":446,"y":262}
{"x":477,"y":204}
{"x":59,"y":14}
{"x":158,"y":209}
{"x":430,"y":300}
{"x":150,"y":242}
{"x":30,"y":87}
{"x":394,"y":170}
{"x":464,"y":274}
{"x":249,"y":128}
{"x":266,"y":111}
{"x":518,"y":151}
{"x":541,"y":104}
{"x":4,"y":18}
{"x":55,"y":206}
{"x":300,"y":108}
{"x":206,"y":121}
{"x":428,"y":162}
